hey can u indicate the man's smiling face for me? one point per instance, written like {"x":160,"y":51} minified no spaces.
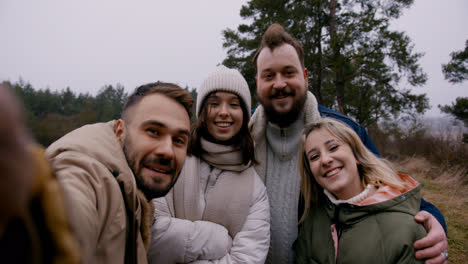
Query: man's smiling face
{"x":281,"y":83}
{"x":155,"y":138}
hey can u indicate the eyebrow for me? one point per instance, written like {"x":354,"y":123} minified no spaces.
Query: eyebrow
{"x":289,"y":66}
{"x":326,"y":143}
{"x":311,"y":150}
{"x":159,"y":124}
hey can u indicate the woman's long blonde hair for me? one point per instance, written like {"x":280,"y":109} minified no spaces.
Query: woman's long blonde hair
{"x":371,"y":168}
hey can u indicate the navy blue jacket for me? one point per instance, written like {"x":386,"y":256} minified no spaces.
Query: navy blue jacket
{"x":360,"y":130}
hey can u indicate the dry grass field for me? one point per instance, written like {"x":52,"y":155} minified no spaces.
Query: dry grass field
{"x":447,"y":188}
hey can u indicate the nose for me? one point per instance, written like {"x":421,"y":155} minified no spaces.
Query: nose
{"x":223,"y":110}
{"x":165,"y":148}
{"x":326,"y":159}
{"x":279,"y":82}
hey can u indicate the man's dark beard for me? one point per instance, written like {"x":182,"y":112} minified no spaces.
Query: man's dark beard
{"x":150,"y":193}
{"x":284,"y":119}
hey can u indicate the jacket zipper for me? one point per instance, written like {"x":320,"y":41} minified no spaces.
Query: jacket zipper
{"x":338,"y":224}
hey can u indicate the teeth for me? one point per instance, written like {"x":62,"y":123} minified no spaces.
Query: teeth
{"x":333,"y":172}
{"x":223,"y":124}
{"x":158,"y":170}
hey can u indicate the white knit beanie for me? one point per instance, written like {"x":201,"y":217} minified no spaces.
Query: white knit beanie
{"x":227,"y":80}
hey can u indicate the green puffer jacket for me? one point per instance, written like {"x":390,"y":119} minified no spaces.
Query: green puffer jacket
{"x":380,"y":232}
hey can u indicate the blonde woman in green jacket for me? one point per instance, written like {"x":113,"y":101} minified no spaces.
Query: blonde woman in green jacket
{"x":357,"y":209}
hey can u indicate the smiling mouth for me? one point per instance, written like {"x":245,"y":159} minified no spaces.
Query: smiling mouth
{"x":280,"y":95}
{"x":223,"y":124}
{"x":332,"y":172}
{"x":159,"y":169}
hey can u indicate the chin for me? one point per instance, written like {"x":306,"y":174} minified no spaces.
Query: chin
{"x":283,"y":109}
{"x":156,"y":193}
{"x":150,"y":191}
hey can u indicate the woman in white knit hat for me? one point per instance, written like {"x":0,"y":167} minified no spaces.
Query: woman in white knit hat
{"x":218,"y":211}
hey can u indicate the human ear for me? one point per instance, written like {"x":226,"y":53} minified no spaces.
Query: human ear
{"x":120,"y":130}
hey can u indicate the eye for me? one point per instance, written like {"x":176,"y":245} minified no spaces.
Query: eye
{"x":267,"y":76}
{"x":180,"y":141}
{"x":152,"y":131}
{"x":289,"y":72}
{"x":314,"y":157}
{"x":213,"y":103}
{"x":235,"y":104}
{"x":334,"y":147}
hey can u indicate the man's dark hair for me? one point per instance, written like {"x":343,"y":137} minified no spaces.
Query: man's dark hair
{"x":243,"y":139}
{"x":276,"y":36}
{"x":170,"y":90}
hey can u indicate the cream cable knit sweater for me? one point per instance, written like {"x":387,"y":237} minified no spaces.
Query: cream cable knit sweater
{"x":281,"y":176}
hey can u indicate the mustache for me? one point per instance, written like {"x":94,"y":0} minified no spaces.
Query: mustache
{"x":286,"y":91}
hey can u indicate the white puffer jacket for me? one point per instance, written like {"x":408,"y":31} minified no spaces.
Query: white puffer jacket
{"x":177,"y":240}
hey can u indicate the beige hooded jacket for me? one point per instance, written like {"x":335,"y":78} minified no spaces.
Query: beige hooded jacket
{"x":110,"y":216}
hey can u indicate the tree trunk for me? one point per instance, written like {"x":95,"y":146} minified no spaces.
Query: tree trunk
{"x":317,"y":72}
{"x":340,"y":87}
{"x":337,"y":58}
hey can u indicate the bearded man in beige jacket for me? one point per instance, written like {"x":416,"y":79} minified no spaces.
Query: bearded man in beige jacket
{"x":109,"y":172}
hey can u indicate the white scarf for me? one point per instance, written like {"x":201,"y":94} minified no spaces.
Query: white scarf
{"x":223,"y":157}
{"x":228,"y":202}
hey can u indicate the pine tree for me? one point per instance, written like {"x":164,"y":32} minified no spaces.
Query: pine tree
{"x":355,"y":61}
{"x":456,"y":70}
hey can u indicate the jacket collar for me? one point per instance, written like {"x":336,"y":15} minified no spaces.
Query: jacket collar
{"x":99,"y":142}
{"x":386,"y":198}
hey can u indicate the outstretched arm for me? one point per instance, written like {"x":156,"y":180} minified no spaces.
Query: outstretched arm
{"x":16,"y":179}
{"x":430,"y":208}
{"x":76,"y":182}
{"x":431,"y":246}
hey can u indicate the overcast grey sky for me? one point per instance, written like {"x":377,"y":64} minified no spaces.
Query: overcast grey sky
{"x":86,"y":44}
